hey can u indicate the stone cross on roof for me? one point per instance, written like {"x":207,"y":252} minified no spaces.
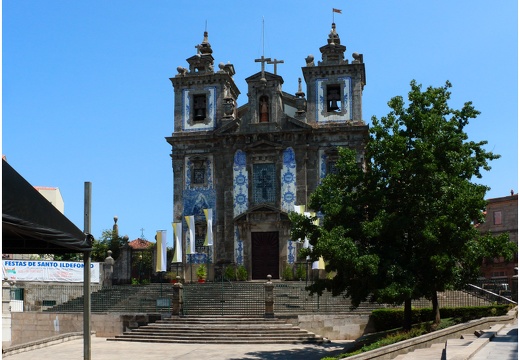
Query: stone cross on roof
{"x":274,"y":62}
{"x":263,"y":60}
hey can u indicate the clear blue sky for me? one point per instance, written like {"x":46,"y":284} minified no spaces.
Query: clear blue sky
{"x":87,"y":96}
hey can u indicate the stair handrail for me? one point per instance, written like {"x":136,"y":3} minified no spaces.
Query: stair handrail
{"x":493,"y":294}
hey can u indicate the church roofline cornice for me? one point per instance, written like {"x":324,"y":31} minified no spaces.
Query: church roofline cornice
{"x":197,"y":137}
{"x":266,"y":144}
{"x":268,"y":76}
{"x":261,"y":208}
{"x":203,"y":79}
{"x":325,"y":68}
{"x":299,"y":123}
{"x":228,"y":126}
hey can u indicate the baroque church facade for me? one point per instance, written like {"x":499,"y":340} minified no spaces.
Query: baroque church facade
{"x":253,"y":164}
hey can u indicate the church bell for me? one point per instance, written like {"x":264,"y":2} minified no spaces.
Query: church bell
{"x":199,"y":114}
{"x":333,"y":105}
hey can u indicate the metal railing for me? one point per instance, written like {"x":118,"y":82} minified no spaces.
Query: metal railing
{"x":119,"y":298}
{"x":490,"y":296}
{"x":225,"y":298}
{"x":292,"y":297}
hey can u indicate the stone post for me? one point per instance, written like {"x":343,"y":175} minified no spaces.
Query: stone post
{"x":177,"y":298}
{"x":269,"y":298}
{"x":108,"y":269}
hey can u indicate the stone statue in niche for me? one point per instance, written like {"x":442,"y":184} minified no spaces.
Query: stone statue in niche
{"x":264,"y":109}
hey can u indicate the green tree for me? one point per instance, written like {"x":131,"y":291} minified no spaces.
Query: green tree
{"x":109,"y":240}
{"x":404,"y":228}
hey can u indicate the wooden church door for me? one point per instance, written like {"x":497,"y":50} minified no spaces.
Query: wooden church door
{"x":265,"y":255}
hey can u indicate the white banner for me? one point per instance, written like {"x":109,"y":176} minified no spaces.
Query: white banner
{"x":161,"y":239}
{"x":42,"y":270}
{"x":177,"y":231}
{"x":209,"y":226}
{"x":190,"y":220}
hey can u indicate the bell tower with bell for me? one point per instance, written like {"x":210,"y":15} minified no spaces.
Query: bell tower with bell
{"x":205,"y":97}
{"x":334,"y":86}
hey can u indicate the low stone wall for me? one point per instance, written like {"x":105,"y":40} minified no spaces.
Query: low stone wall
{"x":32,"y":326}
{"x":35,"y":293}
{"x":335,"y":326}
{"x":424,"y":341}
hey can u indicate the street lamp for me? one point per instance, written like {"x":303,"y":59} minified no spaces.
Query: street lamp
{"x":140,"y":265}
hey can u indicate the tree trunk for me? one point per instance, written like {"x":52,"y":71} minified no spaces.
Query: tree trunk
{"x":436,"y":310}
{"x":407,"y":321}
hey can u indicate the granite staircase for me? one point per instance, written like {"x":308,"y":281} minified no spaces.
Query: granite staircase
{"x":123,"y":298}
{"x":221,"y":330}
{"x":235,"y":298}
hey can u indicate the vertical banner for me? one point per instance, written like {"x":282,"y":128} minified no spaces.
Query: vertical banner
{"x":190,"y":220}
{"x":320,"y":264}
{"x":160,"y":264}
{"x":177,"y":243}
{"x":306,"y":244}
{"x":209,"y":227}
{"x":299,"y":209}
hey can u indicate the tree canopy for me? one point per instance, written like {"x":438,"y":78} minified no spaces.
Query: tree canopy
{"x":109,"y":240}
{"x":401,"y":225}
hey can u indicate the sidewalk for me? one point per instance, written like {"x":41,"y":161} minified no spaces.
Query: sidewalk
{"x":101,"y":349}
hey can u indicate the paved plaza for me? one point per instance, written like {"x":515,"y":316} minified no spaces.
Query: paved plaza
{"x":112,"y":350}
{"x":504,"y":346}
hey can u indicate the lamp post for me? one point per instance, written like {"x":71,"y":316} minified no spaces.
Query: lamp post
{"x":140,"y":265}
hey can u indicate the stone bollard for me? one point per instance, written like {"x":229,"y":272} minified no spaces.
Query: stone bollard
{"x":269,"y":298}
{"x":109,"y":269}
{"x":177,"y":298}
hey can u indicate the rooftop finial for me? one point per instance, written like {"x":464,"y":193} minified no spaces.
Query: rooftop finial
{"x":204,"y":47}
{"x":333,"y":36}
{"x":300,"y":93}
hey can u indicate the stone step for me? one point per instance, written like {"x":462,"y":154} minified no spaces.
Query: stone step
{"x":222,"y":319}
{"x":217,"y":335}
{"x":218,"y":331}
{"x":225,"y":341}
{"x":223,"y":326}
{"x":223,"y":330}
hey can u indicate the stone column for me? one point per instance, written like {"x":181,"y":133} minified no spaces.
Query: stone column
{"x":269,"y":298}
{"x":108,"y":269}
{"x":177,"y":298}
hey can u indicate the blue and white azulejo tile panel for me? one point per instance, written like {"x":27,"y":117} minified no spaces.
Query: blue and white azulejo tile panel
{"x":240,"y":184}
{"x":322,"y":164}
{"x":288,"y":180}
{"x":346,"y":100}
{"x":239,"y":248}
{"x":211,"y":111}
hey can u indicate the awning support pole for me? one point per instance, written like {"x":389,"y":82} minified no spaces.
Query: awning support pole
{"x":86,"y":276}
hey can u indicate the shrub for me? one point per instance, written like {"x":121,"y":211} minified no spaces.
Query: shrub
{"x":171,"y":275}
{"x":287,"y":273}
{"x":300,"y":272}
{"x":230,"y":273}
{"x":241,"y":273}
{"x":201,"y":271}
